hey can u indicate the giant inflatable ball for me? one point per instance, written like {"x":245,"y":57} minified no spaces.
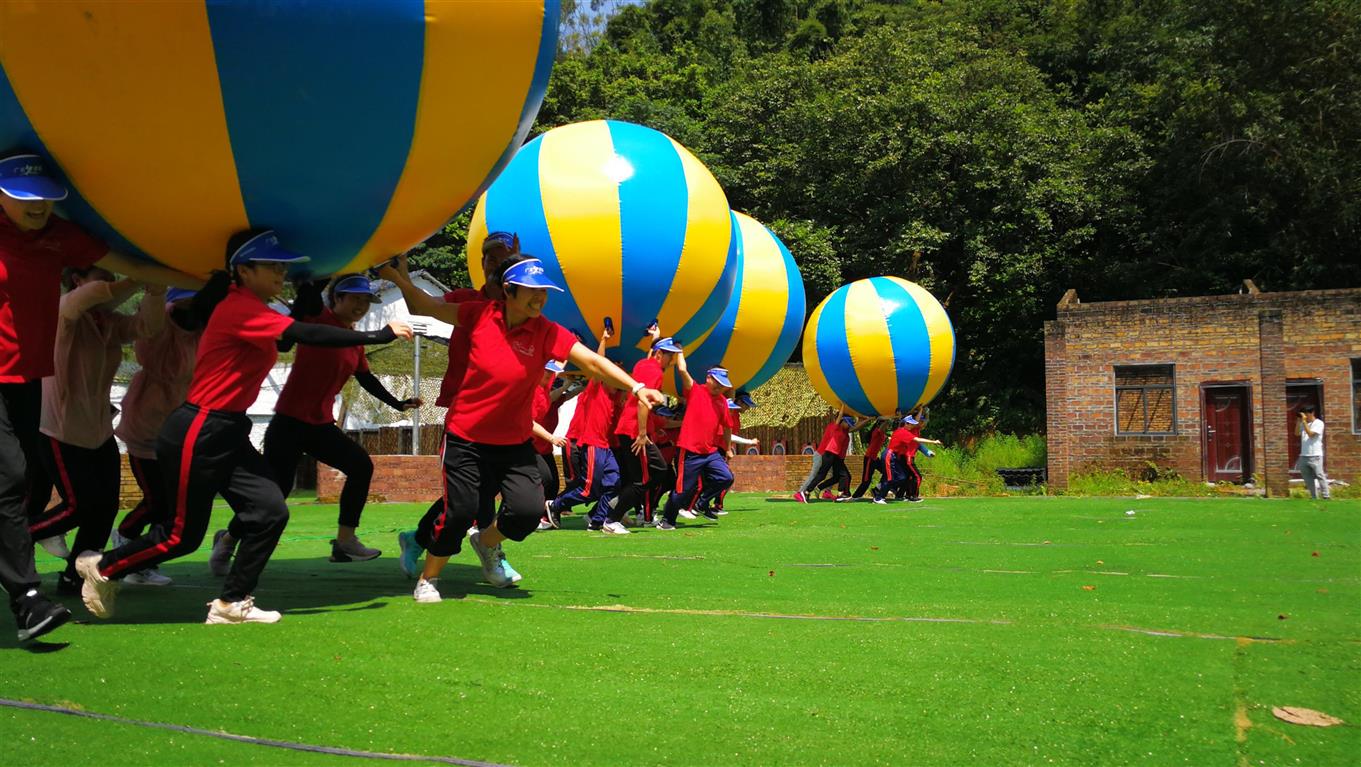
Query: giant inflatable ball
{"x":879,"y":345}
{"x":354,"y":128}
{"x":627,"y":221}
{"x":760,"y":327}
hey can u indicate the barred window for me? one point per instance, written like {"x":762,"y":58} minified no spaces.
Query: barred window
{"x":1145,"y":399}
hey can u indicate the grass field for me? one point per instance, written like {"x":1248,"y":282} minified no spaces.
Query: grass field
{"x":1011,"y":631}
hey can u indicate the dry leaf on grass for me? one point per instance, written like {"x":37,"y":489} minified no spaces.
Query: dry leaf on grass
{"x":1089,"y":588}
{"x":1304,"y":716}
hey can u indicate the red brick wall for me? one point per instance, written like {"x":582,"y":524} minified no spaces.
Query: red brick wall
{"x":416,"y":479}
{"x":1260,"y":340}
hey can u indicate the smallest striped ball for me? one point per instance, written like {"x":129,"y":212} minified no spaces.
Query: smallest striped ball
{"x":879,"y":345}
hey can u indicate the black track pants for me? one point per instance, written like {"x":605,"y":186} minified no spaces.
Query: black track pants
{"x":474,"y":474}
{"x":87,"y":481}
{"x":20,"y":404}
{"x":287,"y":439}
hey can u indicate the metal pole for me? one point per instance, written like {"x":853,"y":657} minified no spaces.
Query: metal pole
{"x":416,"y":392}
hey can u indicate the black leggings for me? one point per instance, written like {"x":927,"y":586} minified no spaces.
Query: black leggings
{"x":287,"y":439}
{"x":205,"y":453}
{"x":548,"y":475}
{"x":638,"y":479}
{"x":87,"y":481}
{"x":474,"y":473}
{"x":840,"y":475}
{"x":153,"y":509}
{"x":20,"y":404}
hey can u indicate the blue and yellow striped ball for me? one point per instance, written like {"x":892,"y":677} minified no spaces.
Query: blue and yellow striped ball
{"x":879,"y":345}
{"x":760,"y":327}
{"x":355,"y":128}
{"x":627,"y":221}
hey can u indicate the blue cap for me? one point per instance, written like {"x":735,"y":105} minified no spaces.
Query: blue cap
{"x":265,"y":247}
{"x":720,"y":375}
{"x":849,"y":421}
{"x":667,"y":344}
{"x":553,"y":366}
{"x":530,"y":274}
{"x":178,"y":294}
{"x":733,"y":405}
{"x":744,"y":398}
{"x":358,"y":283}
{"x":26,"y":177}
{"x":499,"y":239}
{"x":911,"y":421}
{"x":669,"y":413}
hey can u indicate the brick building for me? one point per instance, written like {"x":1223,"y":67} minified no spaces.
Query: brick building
{"x":1209,"y":386}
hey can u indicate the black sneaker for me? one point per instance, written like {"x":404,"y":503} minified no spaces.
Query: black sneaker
{"x":69,"y":585}
{"x":709,"y":514}
{"x":593,"y":525}
{"x":37,"y":615}
{"x":917,"y":499}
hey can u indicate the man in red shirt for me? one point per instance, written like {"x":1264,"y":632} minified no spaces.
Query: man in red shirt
{"x":900,"y":470}
{"x":641,"y":465}
{"x":702,"y":444}
{"x":836,"y":441}
{"x":34,"y":249}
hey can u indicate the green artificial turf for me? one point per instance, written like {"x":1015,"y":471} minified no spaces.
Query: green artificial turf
{"x":999,"y":631}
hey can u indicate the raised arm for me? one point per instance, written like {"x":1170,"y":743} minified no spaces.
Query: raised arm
{"x":601,"y":369}
{"x":370,"y":383}
{"x":80,"y":300}
{"x":314,"y":334}
{"x":685,"y":380}
{"x":418,"y":302}
{"x":149,"y":273}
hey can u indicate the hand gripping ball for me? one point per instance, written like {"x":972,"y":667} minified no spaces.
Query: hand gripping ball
{"x":627,"y":221}
{"x":879,"y":345}
{"x":760,"y":326}
{"x":354,"y":128}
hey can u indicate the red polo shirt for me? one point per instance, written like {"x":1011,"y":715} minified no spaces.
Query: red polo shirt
{"x":705,"y":415}
{"x":597,"y":412}
{"x":504,"y":367}
{"x":835,"y":440}
{"x":236,"y":352}
{"x":649,"y":373}
{"x":904,"y":441}
{"x":876,"y":442}
{"x":318,"y":375}
{"x":30,"y":290}
{"x":458,"y":346}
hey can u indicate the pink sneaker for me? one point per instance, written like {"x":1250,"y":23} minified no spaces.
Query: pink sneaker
{"x":801,"y":497}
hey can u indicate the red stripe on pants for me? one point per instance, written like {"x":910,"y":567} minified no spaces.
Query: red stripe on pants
{"x":590,"y":473}
{"x":181,"y":502}
{"x":68,"y":496}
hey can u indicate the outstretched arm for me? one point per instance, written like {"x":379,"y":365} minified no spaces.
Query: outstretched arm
{"x":370,"y":383}
{"x":418,"y":302}
{"x":601,"y":369}
{"x":313,"y":334}
{"x":144,"y":272}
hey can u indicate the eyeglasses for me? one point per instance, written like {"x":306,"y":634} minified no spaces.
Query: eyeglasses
{"x":272,"y":266}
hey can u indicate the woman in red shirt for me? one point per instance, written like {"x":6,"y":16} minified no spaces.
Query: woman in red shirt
{"x":34,"y":248}
{"x":874,"y":446}
{"x":900,"y":470}
{"x":487,"y":449}
{"x":205,"y":445}
{"x":641,"y":466}
{"x":304,"y":422}
{"x":836,"y":441}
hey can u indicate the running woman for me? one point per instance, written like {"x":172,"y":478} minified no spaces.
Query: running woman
{"x":304,"y":417}
{"x":703,"y":441}
{"x":641,"y":466}
{"x":167,"y":365}
{"x":900,"y":469}
{"x":596,"y":414}
{"x":78,"y":449}
{"x":34,"y":249}
{"x":874,"y":446}
{"x":836,"y":441}
{"x":205,"y":445}
{"x":487,"y":449}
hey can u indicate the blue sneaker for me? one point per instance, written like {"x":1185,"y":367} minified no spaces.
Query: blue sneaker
{"x":493,"y":562}
{"x":410,"y":558}
{"x":510,"y":572}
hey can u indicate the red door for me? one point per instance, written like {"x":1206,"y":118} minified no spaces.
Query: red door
{"x":1297,"y":395}
{"x":1227,"y":434}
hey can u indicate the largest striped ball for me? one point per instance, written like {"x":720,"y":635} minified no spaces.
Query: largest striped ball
{"x":354,"y":128}
{"x":879,"y":345}
{"x":627,"y":221}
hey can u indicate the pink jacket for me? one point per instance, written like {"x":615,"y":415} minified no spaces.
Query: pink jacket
{"x":76,"y":408}
{"x":167,"y":360}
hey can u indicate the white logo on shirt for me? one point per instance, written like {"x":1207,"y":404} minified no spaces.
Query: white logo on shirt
{"x":523,"y":347}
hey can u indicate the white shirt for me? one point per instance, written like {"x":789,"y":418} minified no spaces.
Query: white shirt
{"x":1312,"y":446}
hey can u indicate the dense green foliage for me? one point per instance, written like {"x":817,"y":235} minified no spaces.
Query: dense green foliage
{"x":1001,"y":151}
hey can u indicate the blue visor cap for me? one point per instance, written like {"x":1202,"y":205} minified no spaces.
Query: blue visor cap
{"x":667,"y":344}
{"x":499,"y":240}
{"x":179,"y":294}
{"x":720,"y":375}
{"x":26,"y":177}
{"x":910,"y":421}
{"x":358,"y":283}
{"x":553,"y":366}
{"x":848,"y":420}
{"x":744,"y":398}
{"x":529,"y":274}
{"x":669,"y":413}
{"x":733,"y":405}
{"x":265,"y":247}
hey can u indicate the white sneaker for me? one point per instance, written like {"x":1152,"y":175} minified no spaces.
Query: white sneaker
{"x":116,"y":539}
{"x":687,"y":514}
{"x":56,"y":546}
{"x":544,"y":524}
{"x":220,"y":561}
{"x":661,"y":524}
{"x":425,"y":592}
{"x":616,"y":528}
{"x":491,"y":562}
{"x":97,"y":592}
{"x":151,"y":577}
{"x":244,"y":611}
